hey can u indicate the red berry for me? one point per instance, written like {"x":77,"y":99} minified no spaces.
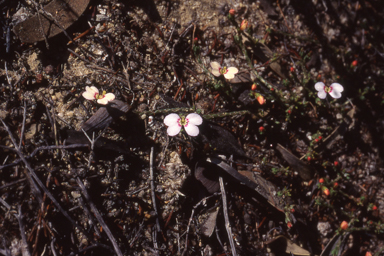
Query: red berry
{"x":292,"y":210}
{"x":336,"y":163}
{"x":289,"y":224}
{"x":232,"y":12}
{"x":374,"y":207}
{"x":321,"y":180}
{"x":309,"y":158}
{"x":254,"y":86}
{"x":354,"y":63}
{"x":335,"y":184}
{"x":320,"y":137}
{"x":292,"y":69}
{"x":261,"y":128}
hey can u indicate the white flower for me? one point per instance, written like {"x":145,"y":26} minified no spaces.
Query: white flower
{"x":334,"y":90}
{"x":228,"y":73}
{"x":190,"y":122}
{"x":92,"y":93}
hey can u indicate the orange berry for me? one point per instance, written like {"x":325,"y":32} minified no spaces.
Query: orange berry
{"x":254,"y":86}
{"x":321,"y":180}
{"x":354,"y":63}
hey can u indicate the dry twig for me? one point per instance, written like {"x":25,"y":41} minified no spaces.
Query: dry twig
{"x":225,"y":211}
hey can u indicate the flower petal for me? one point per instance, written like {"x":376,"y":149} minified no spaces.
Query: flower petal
{"x":322,"y":94}
{"x":215,"y":68}
{"x":319,"y":86}
{"x":173,"y":130}
{"x":338,"y":87}
{"x":192,"y":130}
{"x":231,"y":71}
{"x":194,"y":119}
{"x":171,"y":119}
{"x":335,"y":94}
{"x":107,"y":98}
{"x":215,"y":65}
{"x":336,"y":90}
{"x":90,"y":92}
{"x":110,"y":96}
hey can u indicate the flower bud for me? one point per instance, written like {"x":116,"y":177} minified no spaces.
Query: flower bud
{"x":244,"y":25}
{"x":344,"y":225}
{"x":354,"y":63}
{"x":261,"y":99}
{"x":326,"y":191}
{"x":261,"y":129}
{"x":254,"y":86}
{"x":368,"y":254}
{"x":232,"y":12}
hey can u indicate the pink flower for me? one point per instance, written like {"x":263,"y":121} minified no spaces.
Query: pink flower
{"x":228,"y":73}
{"x":190,"y":123}
{"x":334,"y":90}
{"x":92,"y":93}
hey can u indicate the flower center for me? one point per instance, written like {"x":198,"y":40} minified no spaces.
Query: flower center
{"x":100,"y":96}
{"x":183,"y":121}
{"x":223,"y":70}
{"x":327,"y":89}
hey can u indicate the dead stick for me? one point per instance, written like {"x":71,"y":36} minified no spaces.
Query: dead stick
{"x":152,"y":179}
{"x":36,"y":178}
{"x":38,"y":149}
{"x":24,"y":249}
{"x":23,"y":126}
{"x":225,"y":211}
{"x":99,"y":218}
{"x":190,"y":220}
